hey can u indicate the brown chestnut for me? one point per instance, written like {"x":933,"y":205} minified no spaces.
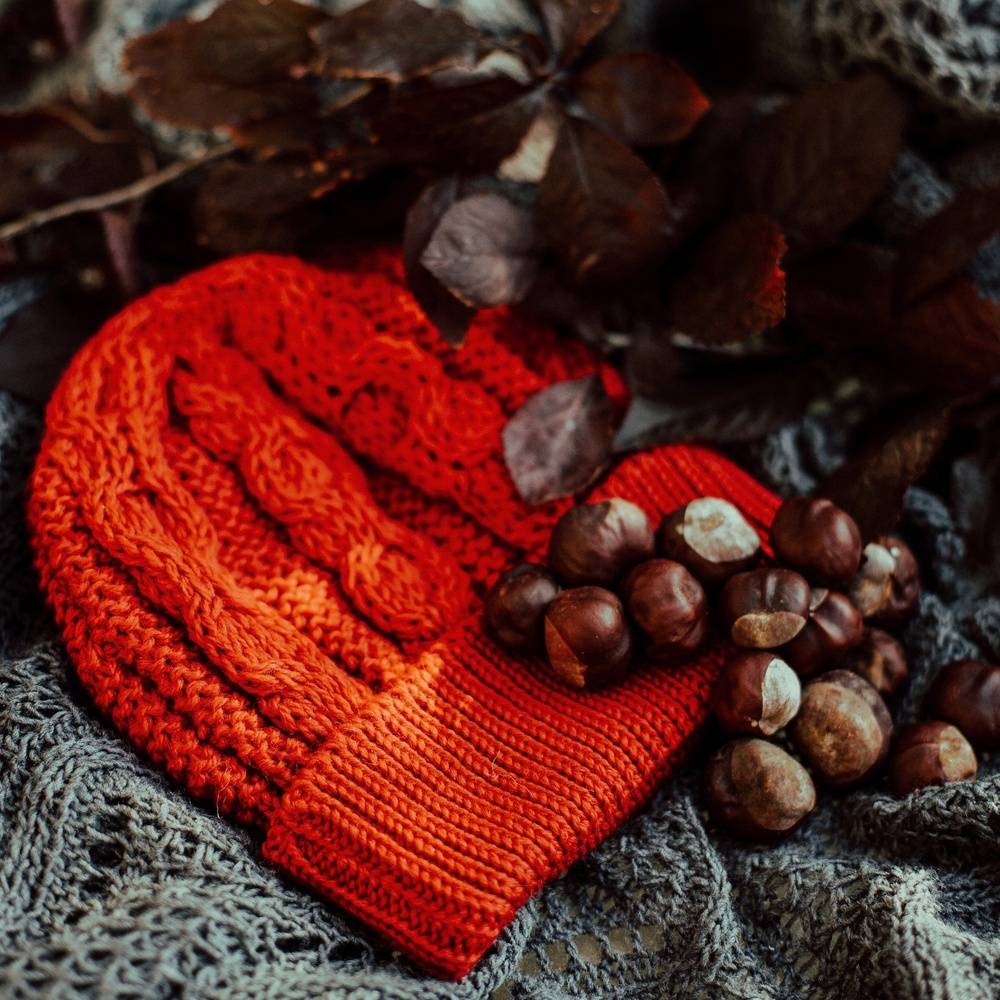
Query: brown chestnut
{"x":598,"y":543}
{"x":758,"y":791}
{"x":833,"y":627}
{"x":756,"y":693}
{"x":887,"y":586}
{"x":587,"y":637}
{"x":881,"y":660}
{"x":930,"y":753}
{"x":764,"y":608}
{"x":711,"y":537}
{"x":818,"y":538}
{"x":843,"y":728}
{"x":966,"y":693}
{"x":669,"y":606}
{"x":516,"y":604}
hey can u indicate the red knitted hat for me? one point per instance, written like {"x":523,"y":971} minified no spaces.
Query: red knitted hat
{"x":268,"y":502}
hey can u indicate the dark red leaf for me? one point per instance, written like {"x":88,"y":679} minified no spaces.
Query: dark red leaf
{"x":573,"y":24}
{"x":449,"y":314}
{"x":843,"y":295}
{"x":946,"y":242}
{"x":817,"y":164}
{"x":559,"y":442}
{"x":872,"y":484}
{"x":234,"y":66}
{"x":951,"y":337}
{"x":394,"y":40}
{"x":735,"y":288}
{"x":484,"y":250}
{"x":601,"y":208}
{"x":643,"y":98}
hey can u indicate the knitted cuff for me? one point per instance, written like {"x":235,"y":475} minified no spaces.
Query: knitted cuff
{"x":440,"y":809}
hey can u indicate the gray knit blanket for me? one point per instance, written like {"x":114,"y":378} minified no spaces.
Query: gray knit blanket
{"x":113,"y":884}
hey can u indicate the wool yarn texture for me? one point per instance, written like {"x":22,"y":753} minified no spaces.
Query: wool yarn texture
{"x":266,"y":505}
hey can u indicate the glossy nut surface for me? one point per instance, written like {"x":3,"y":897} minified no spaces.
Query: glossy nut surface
{"x":881,"y":660}
{"x":834,"y":627}
{"x":966,"y":693}
{"x":757,"y":693}
{"x":516,"y":605}
{"x":886,"y":587}
{"x":930,"y":753}
{"x":843,"y":728}
{"x":765,"y":608}
{"x":669,"y":607}
{"x":598,"y":543}
{"x":587,"y":638}
{"x":757,"y":791}
{"x":710,"y":537}
{"x":818,"y":538}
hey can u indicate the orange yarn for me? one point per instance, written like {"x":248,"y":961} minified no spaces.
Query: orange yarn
{"x":267,"y":503}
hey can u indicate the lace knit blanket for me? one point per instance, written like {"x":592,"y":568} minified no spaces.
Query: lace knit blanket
{"x":113,"y":884}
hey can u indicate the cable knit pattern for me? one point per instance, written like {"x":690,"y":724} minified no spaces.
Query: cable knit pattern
{"x":305,"y":652}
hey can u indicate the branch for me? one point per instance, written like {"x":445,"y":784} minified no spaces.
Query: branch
{"x":111,"y":199}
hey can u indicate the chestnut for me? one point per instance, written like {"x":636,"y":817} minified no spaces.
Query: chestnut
{"x":587,"y":638}
{"x":818,"y":538}
{"x":756,"y":693}
{"x":669,"y":606}
{"x":881,"y":660}
{"x":833,"y":627}
{"x":930,"y":753}
{"x":764,"y":608}
{"x":887,"y":586}
{"x":757,"y":791}
{"x":710,"y":537}
{"x":598,"y":543}
{"x":843,"y":728}
{"x":966,"y":693}
{"x":515,"y":607}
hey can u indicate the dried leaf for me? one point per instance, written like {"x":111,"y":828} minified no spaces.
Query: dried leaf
{"x":528,"y":163}
{"x":843,"y":296}
{"x":817,"y":164}
{"x":727,"y":406}
{"x":645,"y":99}
{"x":601,"y":208}
{"x":394,"y":40}
{"x":232,"y":67}
{"x":559,"y":441}
{"x":484,"y":250}
{"x":735,"y":288}
{"x":947,"y":241}
{"x":872,"y":484}
{"x":951,"y":337}
{"x":450,"y":315}
{"x":572,"y":25}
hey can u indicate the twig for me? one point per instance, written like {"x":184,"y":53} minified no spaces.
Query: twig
{"x":110,"y":199}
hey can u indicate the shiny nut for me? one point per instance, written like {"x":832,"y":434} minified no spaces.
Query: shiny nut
{"x":881,"y":660}
{"x":764,"y":608}
{"x":887,"y":586}
{"x":930,"y":753}
{"x":516,"y":605}
{"x":587,"y":638}
{"x":756,"y":694}
{"x":598,"y":543}
{"x":711,"y":538}
{"x":757,"y":791}
{"x":966,"y":693}
{"x":669,"y":606}
{"x":834,"y":627}
{"x":843,"y":728}
{"x":817,"y":538}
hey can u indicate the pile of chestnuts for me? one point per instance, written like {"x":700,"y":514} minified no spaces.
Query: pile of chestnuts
{"x":805,"y":692}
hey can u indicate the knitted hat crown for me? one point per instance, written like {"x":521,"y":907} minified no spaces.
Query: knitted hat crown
{"x":266,"y":508}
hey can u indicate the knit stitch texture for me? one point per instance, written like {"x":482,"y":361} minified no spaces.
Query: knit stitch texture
{"x":297,"y":638}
